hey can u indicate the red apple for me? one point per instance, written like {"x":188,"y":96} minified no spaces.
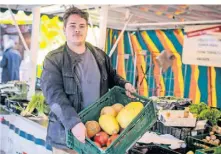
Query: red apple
{"x":101,"y":138}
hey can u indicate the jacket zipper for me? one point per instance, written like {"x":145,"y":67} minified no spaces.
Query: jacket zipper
{"x":76,"y":76}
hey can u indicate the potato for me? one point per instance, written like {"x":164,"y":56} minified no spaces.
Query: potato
{"x":212,"y":137}
{"x":211,"y":133}
{"x":217,"y":141}
{"x":204,"y":140}
{"x":208,"y":138}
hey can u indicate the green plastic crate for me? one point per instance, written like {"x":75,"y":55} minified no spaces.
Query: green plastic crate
{"x":144,"y":121}
{"x":194,"y":141}
{"x":216,"y":150}
{"x":152,"y":149}
{"x":178,"y":132}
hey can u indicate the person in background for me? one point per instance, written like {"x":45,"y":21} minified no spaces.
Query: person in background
{"x":10,"y":62}
{"x":75,"y":76}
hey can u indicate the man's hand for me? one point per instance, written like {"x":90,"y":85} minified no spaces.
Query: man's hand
{"x":79,"y":131}
{"x":130,"y":89}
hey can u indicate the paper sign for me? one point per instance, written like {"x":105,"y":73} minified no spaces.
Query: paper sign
{"x":202,"y":45}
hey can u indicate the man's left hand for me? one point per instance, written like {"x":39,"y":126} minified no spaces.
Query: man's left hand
{"x":129,"y":89}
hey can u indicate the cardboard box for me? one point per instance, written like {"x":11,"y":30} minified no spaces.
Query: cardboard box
{"x":176,"y":118}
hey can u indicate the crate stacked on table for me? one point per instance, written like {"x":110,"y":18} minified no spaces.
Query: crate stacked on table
{"x":151,"y":148}
{"x":180,"y":133}
{"x":174,"y":119}
{"x":215,"y":150}
{"x":143,"y":121}
{"x":204,"y":141}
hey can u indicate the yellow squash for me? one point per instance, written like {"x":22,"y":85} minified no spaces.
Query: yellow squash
{"x":109,"y":124}
{"x":128,"y":113}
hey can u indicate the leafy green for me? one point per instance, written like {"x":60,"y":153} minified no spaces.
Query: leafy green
{"x":37,"y":102}
{"x":211,"y":114}
{"x":197,"y":108}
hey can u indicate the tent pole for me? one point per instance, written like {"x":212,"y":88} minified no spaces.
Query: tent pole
{"x":92,"y":28}
{"x":175,"y":23}
{"x":34,"y":48}
{"x":103,"y":26}
{"x":118,"y":39}
{"x":18,"y":29}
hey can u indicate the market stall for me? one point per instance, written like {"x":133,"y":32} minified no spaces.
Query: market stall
{"x":178,"y":109}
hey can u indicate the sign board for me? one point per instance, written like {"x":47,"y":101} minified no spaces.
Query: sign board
{"x":202,"y":45}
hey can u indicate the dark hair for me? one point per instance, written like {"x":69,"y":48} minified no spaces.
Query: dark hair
{"x":74,"y":10}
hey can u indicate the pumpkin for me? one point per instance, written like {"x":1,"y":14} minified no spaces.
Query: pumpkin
{"x":117,"y":107}
{"x":128,"y":113}
{"x":109,"y":124}
{"x":92,"y":128}
{"x":108,"y":110}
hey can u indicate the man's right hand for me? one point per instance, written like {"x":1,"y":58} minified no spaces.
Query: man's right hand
{"x":79,"y":131}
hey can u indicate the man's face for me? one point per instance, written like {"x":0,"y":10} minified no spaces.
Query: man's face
{"x":76,"y":29}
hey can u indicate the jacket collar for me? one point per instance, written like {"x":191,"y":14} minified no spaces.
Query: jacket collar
{"x":100,"y":58}
{"x":75,"y":60}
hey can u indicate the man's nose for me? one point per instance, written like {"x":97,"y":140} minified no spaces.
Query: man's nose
{"x":77,"y":30}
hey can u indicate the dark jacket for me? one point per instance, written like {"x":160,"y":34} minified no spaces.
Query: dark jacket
{"x":62,"y":89}
{"x":10,"y":65}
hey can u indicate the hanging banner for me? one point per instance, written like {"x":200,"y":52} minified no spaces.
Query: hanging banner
{"x":202,"y":45}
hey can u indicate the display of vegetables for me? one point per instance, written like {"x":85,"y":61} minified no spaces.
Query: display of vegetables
{"x":211,"y":114}
{"x":197,"y":108}
{"x":37,"y":102}
{"x":204,"y":112}
{"x":212,"y":139}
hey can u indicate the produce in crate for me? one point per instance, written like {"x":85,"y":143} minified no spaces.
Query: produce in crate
{"x":117,"y":107}
{"x":128,"y":113}
{"x":109,"y":124}
{"x":146,"y":119}
{"x":97,"y":144}
{"x":216,"y":129}
{"x":109,"y":111}
{"x":197,"y":108}
{"x":111,"y":139}
{"x":101,"y":138}
{"x":190,"y":152}
{"x":212,"y":138}
{"x":177,"y":118}
{"x":92,"y":128}
{"x":211,"y":114}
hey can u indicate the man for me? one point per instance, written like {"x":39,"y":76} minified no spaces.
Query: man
{"x":10,"y":62}
{"x":74,"y":76}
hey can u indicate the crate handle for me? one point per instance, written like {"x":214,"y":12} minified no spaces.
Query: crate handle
{"x":139,"y":96}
